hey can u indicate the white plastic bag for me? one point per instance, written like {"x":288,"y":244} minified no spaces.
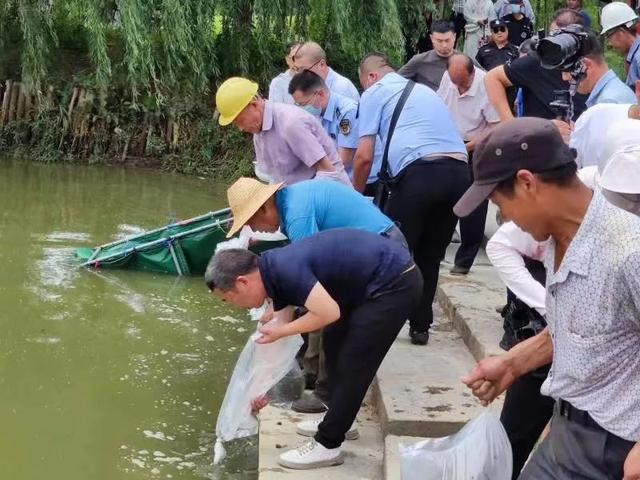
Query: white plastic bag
{"x":479,"y":451}
{"x":259,"y":368}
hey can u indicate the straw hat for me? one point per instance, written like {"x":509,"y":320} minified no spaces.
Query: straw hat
{"x":245,"y":198}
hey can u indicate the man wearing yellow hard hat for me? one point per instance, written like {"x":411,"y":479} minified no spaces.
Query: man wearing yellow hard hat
{"x":290,"y":144}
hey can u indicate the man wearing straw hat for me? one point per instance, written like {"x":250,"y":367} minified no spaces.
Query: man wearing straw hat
{"x":300,"y":211}
{"x":290,"y":144}
{"x":304,"y":209}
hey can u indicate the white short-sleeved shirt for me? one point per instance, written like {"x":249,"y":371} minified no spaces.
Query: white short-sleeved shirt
{"x":591,"y":126}
{"x":472,"y":111}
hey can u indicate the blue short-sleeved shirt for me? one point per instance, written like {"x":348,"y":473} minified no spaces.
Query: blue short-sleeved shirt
{"x":633,"y":58}
{"x":610,"y":89}
{"x":425,"y":126}
{"x":352,"y":265}
{"x":341,"y":85}
{"x":340,"y":120}
{"x":312,"y":206}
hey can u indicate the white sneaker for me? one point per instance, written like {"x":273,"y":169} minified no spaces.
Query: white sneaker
{"x":309,"y":428}
{"x":311,"y":455}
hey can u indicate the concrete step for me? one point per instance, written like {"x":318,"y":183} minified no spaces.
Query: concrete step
{"x":418,"y":388}
{"x":470,"y":302}
{"x":363,"y":459}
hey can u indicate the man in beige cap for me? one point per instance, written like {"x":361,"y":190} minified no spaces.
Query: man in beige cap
{"x":592,"y":304}
{"x":290,"y":144}
{"x":300,"y":211}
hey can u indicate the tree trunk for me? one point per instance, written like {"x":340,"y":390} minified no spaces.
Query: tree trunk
{"x":13,"y":102}
{"x":5,"y":103}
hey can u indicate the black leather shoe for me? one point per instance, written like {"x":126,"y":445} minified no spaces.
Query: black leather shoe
{"x":456,"y":270}
{"x":419,"y":338}
{"x":309,"y":403}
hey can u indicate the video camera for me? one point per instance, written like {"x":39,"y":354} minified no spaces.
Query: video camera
{"x":564,"y":50}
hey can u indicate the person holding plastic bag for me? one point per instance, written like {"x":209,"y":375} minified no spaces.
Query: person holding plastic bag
{"x":593,"y":304}
{"x":356,"y":285}
{"x":299,"y":211}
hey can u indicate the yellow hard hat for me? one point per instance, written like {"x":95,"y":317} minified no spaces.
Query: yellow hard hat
{"x":233,"y":96}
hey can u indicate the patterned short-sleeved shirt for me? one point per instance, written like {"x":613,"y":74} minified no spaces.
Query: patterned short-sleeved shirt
{"x":593,"y":312}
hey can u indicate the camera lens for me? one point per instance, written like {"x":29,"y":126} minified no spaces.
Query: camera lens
{"x":557,"y":50}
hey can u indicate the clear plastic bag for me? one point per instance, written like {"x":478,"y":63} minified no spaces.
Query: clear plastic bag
{"x":258,"y":369}
{"x":479,"y":451}
{"x":289,"y":389}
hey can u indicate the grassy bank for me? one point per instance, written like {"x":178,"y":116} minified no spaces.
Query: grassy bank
{"x":198,"y":145}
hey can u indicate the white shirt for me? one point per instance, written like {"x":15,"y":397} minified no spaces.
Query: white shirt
{"x":593,"y":313}
{"x":342,"y":85}
{"x":509,"y":244}
{"x":505,"y":250}
{"x":587,"y":136}
{"x":472,"y":111}
{"x":279,"y":88}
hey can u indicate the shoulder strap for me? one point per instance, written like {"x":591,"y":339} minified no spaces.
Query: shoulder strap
{"x":384,"y":168}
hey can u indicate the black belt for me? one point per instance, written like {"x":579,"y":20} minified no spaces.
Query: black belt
{"x":571,"y":413}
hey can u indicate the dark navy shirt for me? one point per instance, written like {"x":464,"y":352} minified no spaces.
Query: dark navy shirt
{"x":352,"y":265}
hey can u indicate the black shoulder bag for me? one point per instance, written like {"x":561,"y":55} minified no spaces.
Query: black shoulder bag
{"x":385,"y":180}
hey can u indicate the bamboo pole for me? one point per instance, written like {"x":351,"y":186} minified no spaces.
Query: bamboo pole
{"x":5,"y":103}
{"x":28,"y":106}
{"x":13,"y":102}
{"x":21,"y":102}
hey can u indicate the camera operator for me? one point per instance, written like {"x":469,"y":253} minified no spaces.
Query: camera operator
{"x":580,"y":55}
{"x":618,"y":26}
{"x":538,"y":84}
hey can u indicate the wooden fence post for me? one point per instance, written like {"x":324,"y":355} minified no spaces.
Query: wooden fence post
{"x":5,"y":103}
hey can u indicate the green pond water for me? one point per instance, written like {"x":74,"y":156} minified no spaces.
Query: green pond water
{"x":110,"y":374}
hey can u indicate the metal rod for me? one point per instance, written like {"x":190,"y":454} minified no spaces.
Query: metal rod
{"x":175,"y":259}
{"x":175,"y":224}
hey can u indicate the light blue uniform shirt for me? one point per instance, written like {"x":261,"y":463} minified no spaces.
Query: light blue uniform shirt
{"x":633,"y":58}
{"x":425,"y":126}
{"x":610,"y":89}
{"x":341,"y":85}
{"x":312,"y":206}
{"x":340,"y":121}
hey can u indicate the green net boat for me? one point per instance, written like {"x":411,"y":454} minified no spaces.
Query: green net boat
{"x":181,"y":248}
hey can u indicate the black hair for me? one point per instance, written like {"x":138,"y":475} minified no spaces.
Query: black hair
{"x":565,"y":17}
{"x":226,"y":266}
{"x":443,"y":26}
{"x":561,"y":176}
{"x":373,"y":61}
{"x":306,"y":81}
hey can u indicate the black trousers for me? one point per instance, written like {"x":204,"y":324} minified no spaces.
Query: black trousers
{"x":577,"y":450}
{"x":421,"y":203}
{"x":459,"y":22}
{"x":524,"y":415}
{"x":355,"y":346}
{"x":471,"y":231}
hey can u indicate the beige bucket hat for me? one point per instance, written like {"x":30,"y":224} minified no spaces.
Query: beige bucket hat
{"x":245,"y":198}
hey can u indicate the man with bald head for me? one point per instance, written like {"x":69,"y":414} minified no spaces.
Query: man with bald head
{"x":311,"y":56}
{"x":463,"y":92}
{"x":427,"y":160}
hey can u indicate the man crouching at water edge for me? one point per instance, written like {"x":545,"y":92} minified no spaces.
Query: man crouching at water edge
{"x":356,"y":285}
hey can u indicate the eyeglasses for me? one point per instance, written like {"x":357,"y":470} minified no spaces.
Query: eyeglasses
{"x":499,"y":29}
{"x":308,"y":102}
{"x":301,"y":69}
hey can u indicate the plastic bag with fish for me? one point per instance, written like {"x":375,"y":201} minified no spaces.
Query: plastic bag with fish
{"x":258,"y":369}
{"x":480,"y":451}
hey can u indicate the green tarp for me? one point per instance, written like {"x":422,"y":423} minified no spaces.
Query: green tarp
{"x":182,"y":248}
